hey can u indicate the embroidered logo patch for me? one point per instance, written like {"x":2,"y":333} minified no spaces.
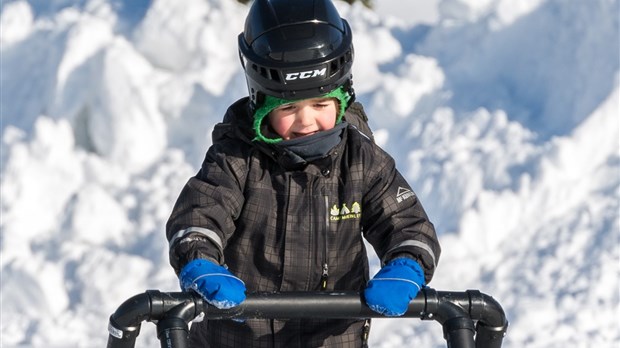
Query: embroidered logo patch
{"x":403,"y":193}
{"x":344,"y":212}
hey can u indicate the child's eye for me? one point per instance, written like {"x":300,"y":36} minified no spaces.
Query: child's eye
{"x":321,"y":105}
{"x":288,"y":107}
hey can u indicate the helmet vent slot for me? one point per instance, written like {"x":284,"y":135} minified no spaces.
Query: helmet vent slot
{"x":333,"y":66}
{"x":274,"y":75}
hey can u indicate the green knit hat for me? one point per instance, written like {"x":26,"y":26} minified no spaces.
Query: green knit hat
{"x":271,"y":103}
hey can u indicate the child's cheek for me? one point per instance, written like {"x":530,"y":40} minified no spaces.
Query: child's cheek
{"x":280,"y":125}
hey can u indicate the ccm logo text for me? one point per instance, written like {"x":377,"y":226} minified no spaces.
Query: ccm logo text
{"x":305,"y":74}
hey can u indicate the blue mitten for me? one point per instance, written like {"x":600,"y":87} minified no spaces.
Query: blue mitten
{"x":213,"y":282}
{"x":394,"y":286}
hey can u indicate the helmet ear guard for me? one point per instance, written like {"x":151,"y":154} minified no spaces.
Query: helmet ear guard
{"x":295,"y":50}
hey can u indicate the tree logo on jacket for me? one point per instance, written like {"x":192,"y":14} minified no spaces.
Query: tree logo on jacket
{"x":344,"y":212}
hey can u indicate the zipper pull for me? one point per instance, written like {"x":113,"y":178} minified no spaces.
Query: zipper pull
{"x":324,"y":276}
{"x":365,"y":333}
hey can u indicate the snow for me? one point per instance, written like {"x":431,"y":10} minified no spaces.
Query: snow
{"x":410,"y":11}
{"x":503,"y":115}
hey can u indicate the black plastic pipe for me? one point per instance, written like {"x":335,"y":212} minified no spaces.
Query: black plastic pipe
{"x":491,"y":322}
{"x":172,"y":310}
{"x":455,"y":311}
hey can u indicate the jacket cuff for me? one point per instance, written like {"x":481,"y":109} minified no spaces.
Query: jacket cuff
{"x":193,"y":248}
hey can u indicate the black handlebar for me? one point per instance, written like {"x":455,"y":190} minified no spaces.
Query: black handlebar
{"x":455,"y":311}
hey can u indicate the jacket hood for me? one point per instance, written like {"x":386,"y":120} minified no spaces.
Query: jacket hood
{"x":237,"y":123}
{"x":237,"y":126}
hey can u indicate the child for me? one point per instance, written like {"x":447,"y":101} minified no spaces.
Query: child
{"x":289,"y":189}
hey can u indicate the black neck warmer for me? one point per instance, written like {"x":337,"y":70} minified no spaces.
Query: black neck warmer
{"x":314,"y":146}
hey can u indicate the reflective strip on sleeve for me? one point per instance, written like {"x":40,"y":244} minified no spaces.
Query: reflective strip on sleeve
{"x":418,"y":244}
{"x":204,"y":231}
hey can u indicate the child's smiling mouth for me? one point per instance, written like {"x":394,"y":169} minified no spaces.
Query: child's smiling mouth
{"x":303,"y":134}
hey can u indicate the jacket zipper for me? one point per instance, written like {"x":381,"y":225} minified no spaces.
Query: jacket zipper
{"x":325,"y":273}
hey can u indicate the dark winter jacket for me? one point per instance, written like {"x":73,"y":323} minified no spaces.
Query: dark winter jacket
{"x":281,"y":225}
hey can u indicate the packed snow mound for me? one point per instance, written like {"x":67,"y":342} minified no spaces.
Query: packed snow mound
{"x":503,"y":116}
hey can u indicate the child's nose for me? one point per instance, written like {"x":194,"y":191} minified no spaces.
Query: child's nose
{"x":305,"y":116}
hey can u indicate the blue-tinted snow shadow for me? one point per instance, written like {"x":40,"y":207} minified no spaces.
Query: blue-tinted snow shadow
{"x":548,"y":70}
{"x":129,"y":12}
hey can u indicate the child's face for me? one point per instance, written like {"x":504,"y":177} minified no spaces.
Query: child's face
{"x":304,"y":117}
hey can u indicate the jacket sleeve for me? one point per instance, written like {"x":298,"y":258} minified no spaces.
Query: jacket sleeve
{"x":394,"y":221}
{"x":203,"y":217}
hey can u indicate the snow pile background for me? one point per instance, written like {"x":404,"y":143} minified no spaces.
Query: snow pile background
{"x":504,"y":116}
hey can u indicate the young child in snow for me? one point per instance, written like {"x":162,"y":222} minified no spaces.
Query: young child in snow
{"x":289,"y":189}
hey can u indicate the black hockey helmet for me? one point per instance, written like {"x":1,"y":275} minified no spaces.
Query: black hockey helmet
{"x":295,"y":49}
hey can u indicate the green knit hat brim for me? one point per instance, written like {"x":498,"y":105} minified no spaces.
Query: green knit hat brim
{"x":271,"y":103}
